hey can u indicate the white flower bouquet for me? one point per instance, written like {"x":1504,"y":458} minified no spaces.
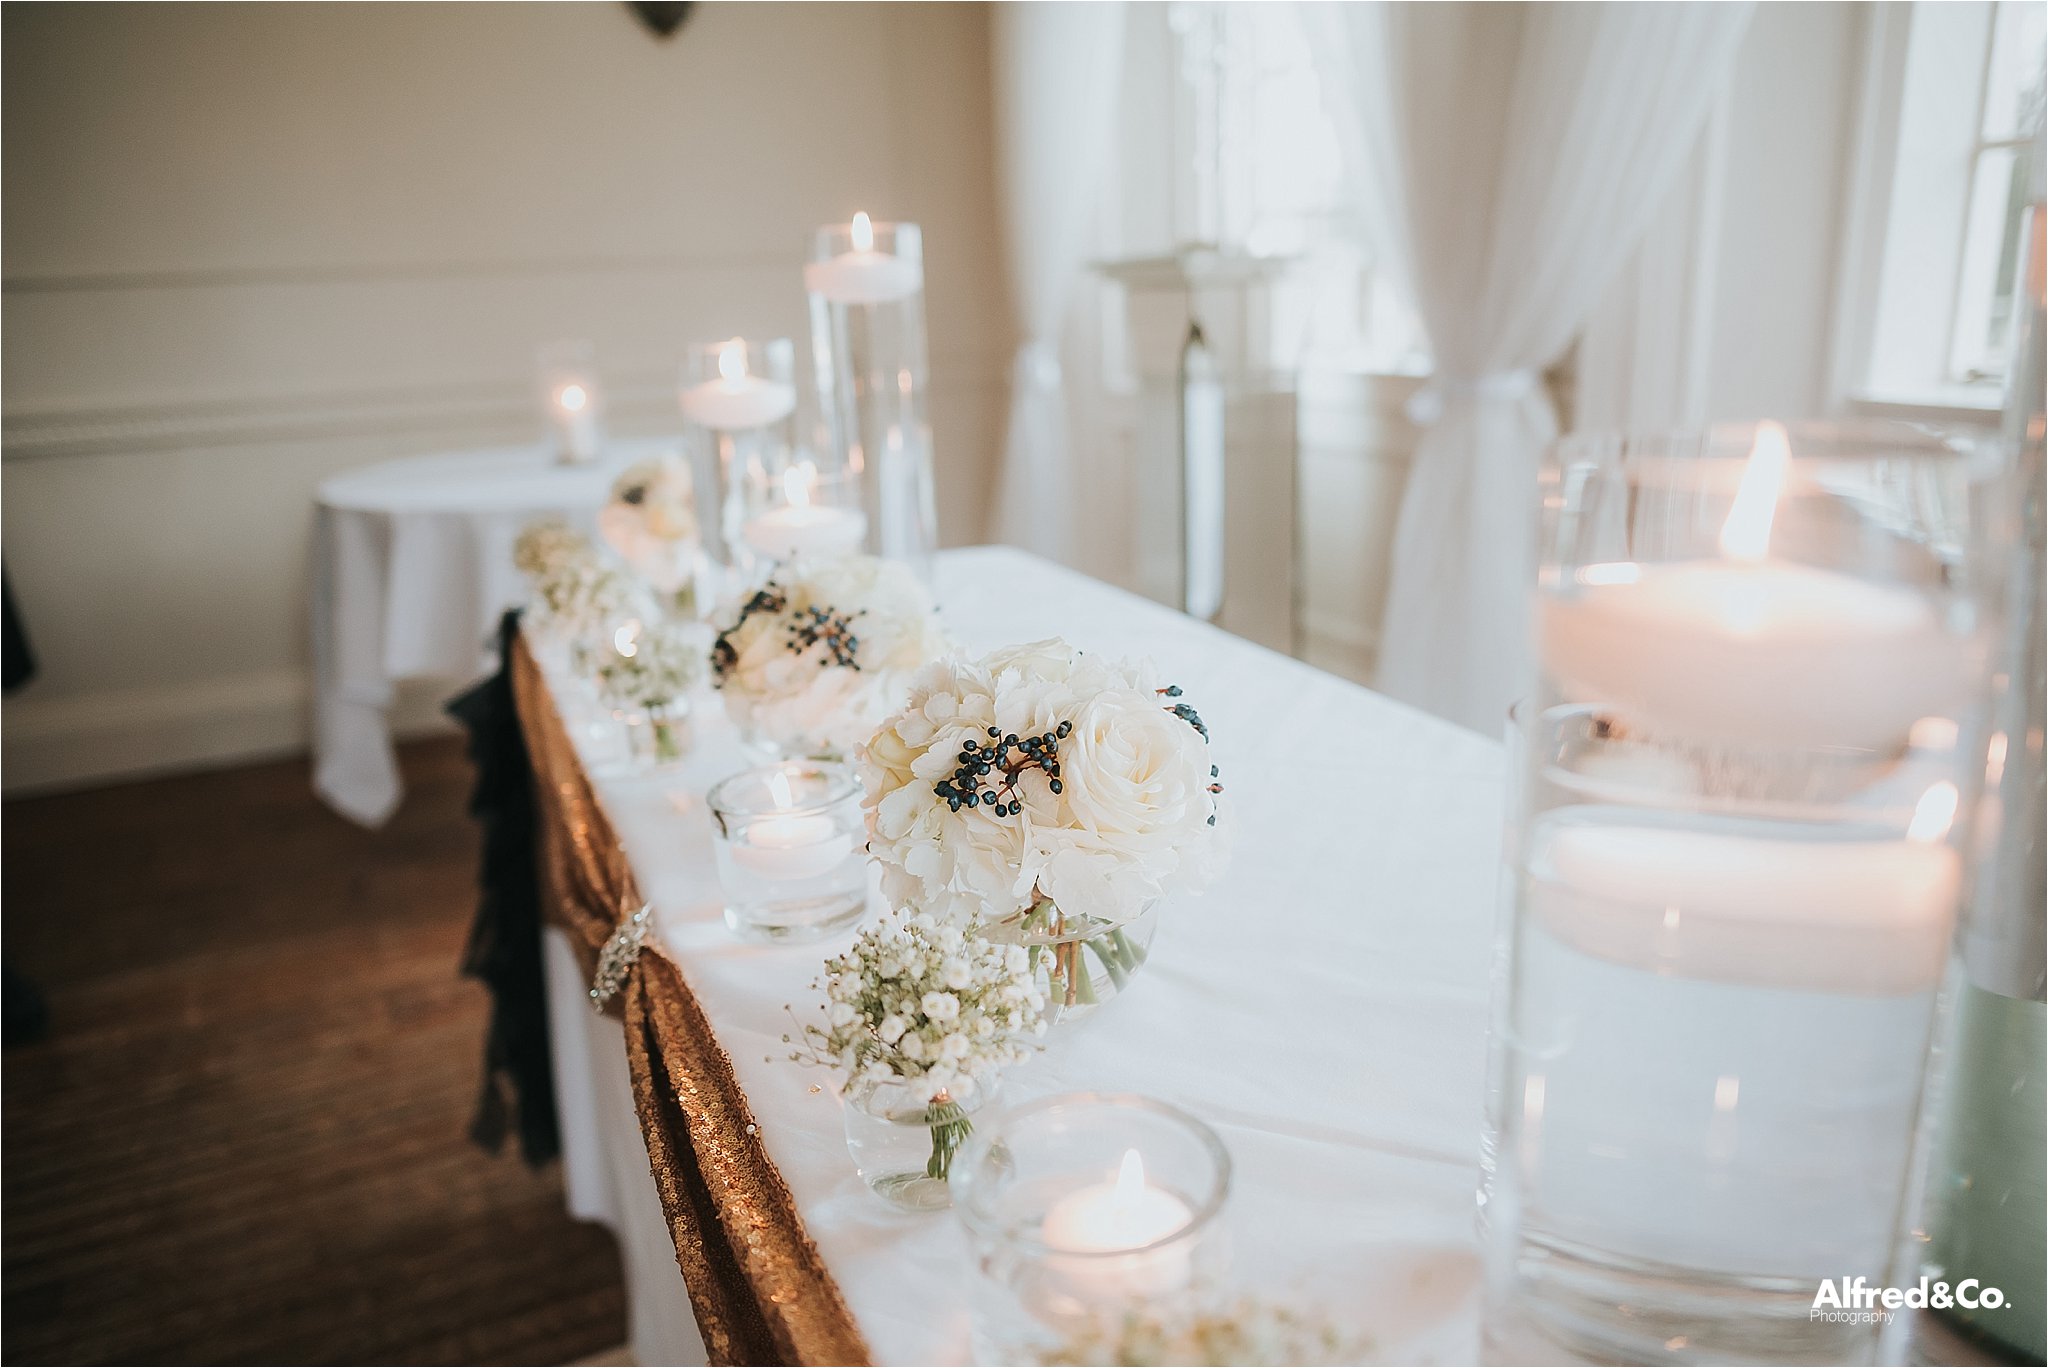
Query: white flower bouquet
{"x":1044,"y":794}
{"x":644,"y":676}
{"x":814,"y":659}
{"x":921,"y":1017}
{"x":651,"y":522}
{"x":575,"y":593}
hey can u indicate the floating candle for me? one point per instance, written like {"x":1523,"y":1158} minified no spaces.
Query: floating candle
{"x":803,"y":528}
{"x":1736,"y":905}
{"x":791,"y":846}
{"x":737,"y":399}
{"x":1749,"y":649}
{"x":864,"y":275}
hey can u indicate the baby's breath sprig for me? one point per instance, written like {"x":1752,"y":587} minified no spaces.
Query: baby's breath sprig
{"x":929,"y":1007}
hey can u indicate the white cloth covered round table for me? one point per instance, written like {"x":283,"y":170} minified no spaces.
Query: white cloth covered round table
{"x":412,"y":570}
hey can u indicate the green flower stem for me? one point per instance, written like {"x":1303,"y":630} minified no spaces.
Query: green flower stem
{"x":950,"y":1129}
{"x":1112,"y":960}
{"x":668,"y":738}
{"x":1133,"y":953}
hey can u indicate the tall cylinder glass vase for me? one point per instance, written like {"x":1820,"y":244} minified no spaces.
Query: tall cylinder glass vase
{"x":739,"y":408}
{"x":1988,"y":1189}
{"x":866,"y":287}
{"x":1756,"y":729}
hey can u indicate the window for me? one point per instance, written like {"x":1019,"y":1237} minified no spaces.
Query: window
{"x":1952,"y":101}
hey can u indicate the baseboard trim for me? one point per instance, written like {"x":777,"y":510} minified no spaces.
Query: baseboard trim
{"x":60,"y":742}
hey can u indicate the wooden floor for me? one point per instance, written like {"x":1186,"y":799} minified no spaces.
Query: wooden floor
{"x":243,"y":1140}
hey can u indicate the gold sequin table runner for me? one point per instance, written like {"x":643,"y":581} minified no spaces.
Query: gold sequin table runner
{"x":759,"y":1288}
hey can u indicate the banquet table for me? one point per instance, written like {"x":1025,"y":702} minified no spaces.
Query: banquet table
{"x":412,"y":568}
{"x":1322,"y":1007}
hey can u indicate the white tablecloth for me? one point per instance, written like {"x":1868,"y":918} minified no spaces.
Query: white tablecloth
{"x":412,"y":568}
{"x":1323,"y":1007}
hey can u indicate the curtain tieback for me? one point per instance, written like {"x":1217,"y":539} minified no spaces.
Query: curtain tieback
{"x":1038,"y":365}
{"x":1427,"y":403}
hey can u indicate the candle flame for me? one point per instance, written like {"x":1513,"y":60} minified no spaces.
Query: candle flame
{"x":1130,"y":1180}
{"x":732,"y":360}
{"x":1934,"y":814}
{"x":626,"y":641}
{"x":778,"y":789}
{"x":863,"y":233}
{"x":573,"y":398}
{"x":797,"y":482}
{"x":1746,"y":536}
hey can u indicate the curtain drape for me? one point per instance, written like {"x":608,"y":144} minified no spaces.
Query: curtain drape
{"x":1509,"y":158}
{"x":1056,"y":80}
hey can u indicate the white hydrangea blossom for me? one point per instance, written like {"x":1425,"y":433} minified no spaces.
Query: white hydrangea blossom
{"x":651,"y":521}
{"x":667,"y":660}
{"x":1119,"y":807}
{"x":923,"y":1002}
{"x":819,"y":655}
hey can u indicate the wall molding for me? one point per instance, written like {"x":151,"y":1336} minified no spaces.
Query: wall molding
{"x":79,"y":740}
{"x":75,"y":740}
{"x":643,"y":393}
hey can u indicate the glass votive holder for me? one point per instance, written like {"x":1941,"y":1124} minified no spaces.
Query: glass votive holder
{"x":1081,"y":1206}
{"x":799,"y":512}
{"x":572,"y":400}
{"x":791,"y":849}
{"x":738,"y":399}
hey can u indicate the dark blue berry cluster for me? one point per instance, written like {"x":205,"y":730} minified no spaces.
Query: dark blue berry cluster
{"x":818,"y":625}
{"x":769,"y":598}
{"x":987,"y":774}
{"x":1193,"y":719}
{"x":1184,"y":712}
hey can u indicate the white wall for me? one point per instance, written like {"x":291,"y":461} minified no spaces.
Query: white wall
{"x":248,"y":246}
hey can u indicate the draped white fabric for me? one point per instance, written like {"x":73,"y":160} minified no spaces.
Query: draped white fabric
{"x":1510,"y":156}
{"x":1056,"y":79}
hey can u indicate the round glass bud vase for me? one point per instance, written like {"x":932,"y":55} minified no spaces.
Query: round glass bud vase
{"x":1082,"y":962}
{"x":903,"y":1144}
{"x":657,"y":734}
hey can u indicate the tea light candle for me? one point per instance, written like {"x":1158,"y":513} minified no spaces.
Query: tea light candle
{"x":737,"y":399}
{"x":1751,"y":649}
{"x":1127,"y":1214}
{"x":863,"y":275}
{"x":1849,"y":916}
{"x":802,"y":528}
{"x":791,"y":846}
{"x":572,"y":405}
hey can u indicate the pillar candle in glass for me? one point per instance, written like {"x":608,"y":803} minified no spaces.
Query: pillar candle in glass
{"x":739,"y":405}
{"x":1757,"y":717}
{"x":791,"y":850}
{"x":572,"y":400}
{"x":1081,"y":1206}
{"x":866,"y":286}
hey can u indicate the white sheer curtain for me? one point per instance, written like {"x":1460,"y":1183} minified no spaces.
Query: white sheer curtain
{"x":1056,"y":79}
{"x":1510,"y":156}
